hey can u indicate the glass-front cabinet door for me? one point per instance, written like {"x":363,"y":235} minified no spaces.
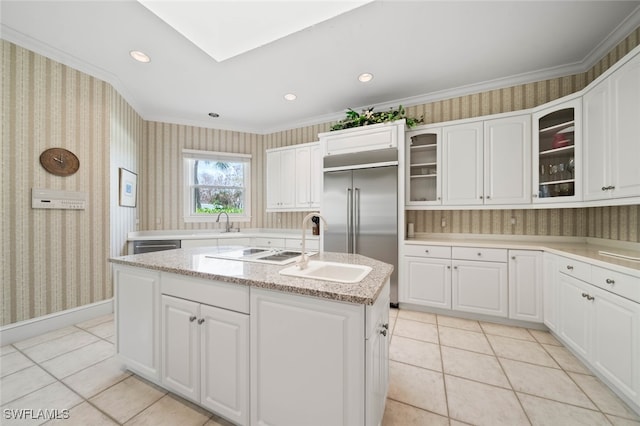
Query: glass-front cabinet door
{"x":557,"y":142}
{"x":423,"y":171}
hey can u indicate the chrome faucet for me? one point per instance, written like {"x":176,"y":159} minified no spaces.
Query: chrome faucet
{"x":227,"y":227}
{"x":304,"y":259}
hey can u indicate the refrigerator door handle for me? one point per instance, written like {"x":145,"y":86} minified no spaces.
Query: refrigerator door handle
{"x":349,"y":219}
{"x":356,"y":219}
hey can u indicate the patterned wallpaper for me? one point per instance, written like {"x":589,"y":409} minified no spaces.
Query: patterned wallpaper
{"x":612,"y":222}
{"x":54,"y":260}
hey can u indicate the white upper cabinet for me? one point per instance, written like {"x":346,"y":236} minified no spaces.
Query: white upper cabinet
{"x":612,"y":129}
{"x":281,"y":174}
{"x":294,"y":178}
{"x":462,"y":164}
{"x":359,"y":139}
{"x":557,"y":132}
{"x":487,"y":162}
{"x":507,"y":160}
{"x":423,"y":156}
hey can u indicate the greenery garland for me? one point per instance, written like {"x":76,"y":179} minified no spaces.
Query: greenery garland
{"x":367,"y":117}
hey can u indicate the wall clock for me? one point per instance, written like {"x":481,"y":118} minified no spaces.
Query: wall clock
{"x":59,"y":161}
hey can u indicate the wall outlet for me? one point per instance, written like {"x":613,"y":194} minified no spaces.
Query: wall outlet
{"x":443,"y":223}
{"x":513,"y":221}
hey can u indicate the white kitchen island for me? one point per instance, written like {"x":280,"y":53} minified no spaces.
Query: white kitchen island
{"x":254,"y":346}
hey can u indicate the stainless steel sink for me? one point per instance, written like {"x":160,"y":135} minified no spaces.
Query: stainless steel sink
{"x":260,"y":255}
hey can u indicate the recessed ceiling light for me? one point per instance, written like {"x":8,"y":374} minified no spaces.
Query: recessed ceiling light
{"x":365,"y":77}
{"x":140,"y":56}
{"x":214,"y":115}
{"x":290,"y":97}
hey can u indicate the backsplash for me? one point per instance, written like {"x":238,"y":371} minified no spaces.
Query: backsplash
{"x":612,"y":222}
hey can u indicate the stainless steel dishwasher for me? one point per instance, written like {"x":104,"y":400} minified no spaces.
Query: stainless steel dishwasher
{"x":147,"y":246}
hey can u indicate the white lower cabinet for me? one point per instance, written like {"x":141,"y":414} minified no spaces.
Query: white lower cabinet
{"x":137,"y":319}
{"x":429,"y":281}
{"x":604,"y":329}
{"x":307,"y":361}
{"x":205,"y":356}
{"x":480,"y":287}
{"x":525,"y":285}
{"x":377,"y":361}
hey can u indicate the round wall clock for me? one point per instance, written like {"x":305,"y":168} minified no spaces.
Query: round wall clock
{"x":59,"y":161}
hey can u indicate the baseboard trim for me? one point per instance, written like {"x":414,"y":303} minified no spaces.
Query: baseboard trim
{"x":33,"y":327}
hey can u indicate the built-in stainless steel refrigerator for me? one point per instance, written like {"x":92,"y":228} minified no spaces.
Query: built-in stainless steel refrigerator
{"x":361,"y":209}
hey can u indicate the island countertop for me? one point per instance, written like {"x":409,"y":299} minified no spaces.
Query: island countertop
{"x":195,"y":263}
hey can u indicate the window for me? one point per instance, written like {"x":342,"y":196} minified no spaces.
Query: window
{"x":217,"y":182}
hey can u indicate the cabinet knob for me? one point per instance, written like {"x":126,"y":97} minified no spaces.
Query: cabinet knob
{"x":569,"y":267}
{"x":383,"y":332}
{"x":488,"y":197}
{"x":604,"y":188}
{"x":426,"y":251}
{"x":481,"y":197}
{"x":479,"y":253}
{"x":610,"y":281}
{"x":455,"y":267}
{"x":385,"y":326}
{"x":448,"y":267}
{"x":535,"y":195}
{"x":584,"y":295}
{"x":192,"y":318}
{"x":589,"y":297}
{"x":200,"y":321}
{"x":513,"y":258}
{"x":612,"y":187}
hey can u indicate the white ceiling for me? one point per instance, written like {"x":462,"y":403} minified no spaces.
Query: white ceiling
{"x":418,"y":51}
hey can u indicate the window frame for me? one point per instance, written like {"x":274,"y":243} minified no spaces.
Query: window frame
{"x":188,"y":160}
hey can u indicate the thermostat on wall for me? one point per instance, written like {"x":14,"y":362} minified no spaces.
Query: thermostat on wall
{"x":54,"y":199}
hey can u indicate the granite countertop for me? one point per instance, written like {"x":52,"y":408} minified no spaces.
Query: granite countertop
{"x":582,"y":249}
{"x":193,"y":262}
{"x":195,"y":234}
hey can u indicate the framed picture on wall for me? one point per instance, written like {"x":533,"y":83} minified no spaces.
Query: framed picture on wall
{"x":128,"y":188}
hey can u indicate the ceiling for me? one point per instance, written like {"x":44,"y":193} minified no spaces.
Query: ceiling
{"x":418,"y":51}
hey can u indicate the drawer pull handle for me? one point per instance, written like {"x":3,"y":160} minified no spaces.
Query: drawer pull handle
{"x":604,"y":188}
{"x":200,"y":321}
{"x":588,"y":296}
{"x":569,"y":267}
{"x":610,"y":281}
{"x":192,"y":318}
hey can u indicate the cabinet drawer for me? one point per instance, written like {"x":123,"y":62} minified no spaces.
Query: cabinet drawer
{"x":575,"y":268}
{"x":621,"y":284}
{"x":234,"y":297}
{"x":484,"y":254}
{"x":268,"y":242}
{"x":296,"y":244}
{"x":428,"y":251}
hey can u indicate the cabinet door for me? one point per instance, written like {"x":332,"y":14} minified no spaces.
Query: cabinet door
{"x":181,"y":347}
{"x":616,"y":338}
{"x":137,"y":319}
{"x":224,"y":343}
{"x":625,"y":128}
{"x":596,"y":147}
{"x":480,"y":287}
{"x":507,"y":160}
{"x":574,"y":314}
{"x":550,"y":291}
{"x":281,"y":175}
{"x":429,"y":282}
{"x":315,"y":179}
{"x":303,"y":177}
{"x":462,"y":164}
{"x":525,"y":285}
{"x":306,"y":361}
{"x":377,"y":363}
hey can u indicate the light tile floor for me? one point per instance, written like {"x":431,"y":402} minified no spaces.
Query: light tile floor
{"x":443,"y":371}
